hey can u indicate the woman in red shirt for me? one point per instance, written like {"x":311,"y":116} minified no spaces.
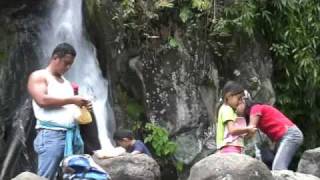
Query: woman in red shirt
{"x":278,"y":128}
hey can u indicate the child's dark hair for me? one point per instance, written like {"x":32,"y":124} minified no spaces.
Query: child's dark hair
{"x":233,"y":88}
{"x":123,"y":133}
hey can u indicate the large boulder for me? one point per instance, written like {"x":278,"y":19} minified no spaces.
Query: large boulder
{"x":310,"y":162}
{"x":290,"y":175}
{"x":231,"y":167}
{"x":130,"y":167}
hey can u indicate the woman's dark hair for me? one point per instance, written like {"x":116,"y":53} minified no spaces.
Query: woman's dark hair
{"x":63,"y":49}
{"x":123,"y":133}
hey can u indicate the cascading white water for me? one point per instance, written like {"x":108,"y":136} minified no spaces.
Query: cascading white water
{"x":66,"y":25}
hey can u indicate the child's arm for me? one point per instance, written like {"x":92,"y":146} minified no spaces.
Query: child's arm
{"x":233,"y":130}
{"x":254,"y":119}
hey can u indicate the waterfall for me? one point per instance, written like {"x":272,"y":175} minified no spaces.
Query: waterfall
{"x":66,"y":25}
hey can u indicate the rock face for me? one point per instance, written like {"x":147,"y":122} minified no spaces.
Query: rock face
{"x":310,"y":162}
{"x":19,"y":49}
{"x":290,"y":175}
{"x":178,"y":88}
{"x":231,"y":167}
{"x":131,"y":167}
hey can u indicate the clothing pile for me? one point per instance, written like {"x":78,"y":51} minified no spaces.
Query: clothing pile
{"x":81,"y":167}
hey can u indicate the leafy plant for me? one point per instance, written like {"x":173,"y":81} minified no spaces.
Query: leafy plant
{"x":128,"y":6}
{"x":179,"y":166}
{"x":164,"y":4}
{"x":185,"y":14}
{"x":201,"y":5}
{"x":158,"y":137}
{"x":173,"y":42}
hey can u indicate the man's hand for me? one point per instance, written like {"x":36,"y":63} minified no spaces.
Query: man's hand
{"x":80,"y":101}
{"x":89,"y":106}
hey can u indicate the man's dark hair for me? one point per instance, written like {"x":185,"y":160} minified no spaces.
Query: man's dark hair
{"x":63,"y":49}
{"x":123,"y":133}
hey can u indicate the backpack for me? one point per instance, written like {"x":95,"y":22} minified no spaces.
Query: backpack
{"x":81,"y":167}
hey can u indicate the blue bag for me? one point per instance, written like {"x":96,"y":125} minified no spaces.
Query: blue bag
{"x":82,"y":167}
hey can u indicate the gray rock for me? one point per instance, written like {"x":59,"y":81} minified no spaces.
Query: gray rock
{"x":230,"y":167}
{"x":188,"y":148}
{"x":290,"y":175}
{"x":130,"y":167}
{"x":28,"y":176}
{"x":310,"y":162}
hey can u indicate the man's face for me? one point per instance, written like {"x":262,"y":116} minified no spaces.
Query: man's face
{"x":125,"y":143}
{"x":63,"y":64}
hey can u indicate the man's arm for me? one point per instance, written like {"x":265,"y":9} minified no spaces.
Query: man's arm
{"x":38,"y":88}
{"x":138,"y":148}
{"x":136,"y":152}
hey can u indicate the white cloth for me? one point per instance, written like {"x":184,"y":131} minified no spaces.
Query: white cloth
{"x":65,"y":115}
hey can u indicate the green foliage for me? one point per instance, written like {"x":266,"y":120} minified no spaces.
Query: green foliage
{"x":201,"y":5}
{"x":185,"y":14}
{"x":179,"y":166}
{"x":173,"y":42}
{"x":158,"y":137}
{"x":164,"y":4}
{"x":146,"y":19}
{"x":128,"y":6}
{"x":134,"y":109}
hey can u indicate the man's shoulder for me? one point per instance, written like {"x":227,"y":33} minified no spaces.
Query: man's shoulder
{"x":41,"y":73}
{"x":139,"y":143}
